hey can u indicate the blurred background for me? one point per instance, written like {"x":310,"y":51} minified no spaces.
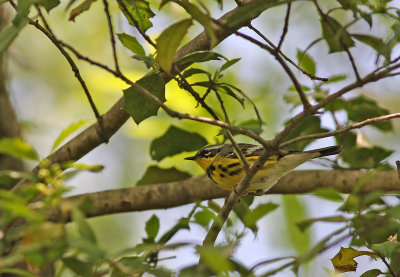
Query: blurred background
{"x":47,"y":99}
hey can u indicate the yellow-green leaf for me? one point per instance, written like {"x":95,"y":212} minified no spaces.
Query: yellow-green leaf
{"x":18,"y":148}
{"x":68,"y":131}
{"x":169,"y":41}
{"x":344,"y":259}
{"x":202,"y":18}
{"x":132,"y":44}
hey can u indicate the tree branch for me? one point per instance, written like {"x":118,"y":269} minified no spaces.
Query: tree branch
{"x":174,"y":194}
{"x":342,"y":130}
{"x":112,"y":38}
{"x":98,"y":133}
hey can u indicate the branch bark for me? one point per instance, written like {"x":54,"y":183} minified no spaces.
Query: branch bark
{"x":9,"y":125}
{"x":168,"y":195}
{"x":110,"y":122}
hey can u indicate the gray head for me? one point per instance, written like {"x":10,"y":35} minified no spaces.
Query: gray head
{"x":208,"y":151}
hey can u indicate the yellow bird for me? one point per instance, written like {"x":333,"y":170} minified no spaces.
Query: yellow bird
{"x":223,"y":167}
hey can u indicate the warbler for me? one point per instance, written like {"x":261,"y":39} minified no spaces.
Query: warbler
{"x":224,"y":168}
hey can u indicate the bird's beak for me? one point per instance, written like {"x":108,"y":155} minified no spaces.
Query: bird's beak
{"x":192,"y":158}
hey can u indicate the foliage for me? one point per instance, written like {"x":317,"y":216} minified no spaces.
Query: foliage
{"x":30,"y":234}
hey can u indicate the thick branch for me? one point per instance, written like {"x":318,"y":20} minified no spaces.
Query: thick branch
{"x":168,"y":195}
{"x":98,"y":133}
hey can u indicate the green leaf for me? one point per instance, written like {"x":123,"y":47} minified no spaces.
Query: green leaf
{"x":372,"y":273}
{"x":328,"y":194}
{"x":182,"y":224}
{"x":152,"y":227}
{"x":8,"y":35}
{"x":138,"y":105}
{"x":386,"y":248}
{"x":294,"y":210}
{"x":18,"y":148}
{"x":79,"y":267}
{"x":376,"y":43}
{"x":227,"y":90}
{"x":228,"y":64}
{"x":362,"y":108}
{"x":367,"y":17}
{"x":348,"y":139}
{"x":149,"y":61}
{"x":157,"y":175}
{"x":365,"y":157}
{"x":68,"y":131}
{"x":306,"y":62}
{"x":252,"y":217}
{"x":335,"y":79}
{"x":132,"y":44}
{"x":83,"y":226}
{"x":199,"y":57}
{"x":336,"y":36}
{"x":251,"y":125}
{"x":348,"y":4}
{"x":8,"y":177}
{"x":396,"y":30}
{"x":337,"y":105}
{"x":192,"y":71}
{"x":17,"y":206}
{"x":202,"y":18}
{"x":82,"y":7}
{"x":204,"y":217}
{"x":23,"y":8}
{"x":16,"y":272}
{"x":216,"y":257}
{"x":310,"y":125}
{"x":169,"y":41}
{"x":48,"y":4}
{"x":242,"y":208}
{"x":304,"y":224}
{"x":139,"y":11}
{"x":175,"y":141}
{"x":93,"y":252}
{"x":252,"y":10}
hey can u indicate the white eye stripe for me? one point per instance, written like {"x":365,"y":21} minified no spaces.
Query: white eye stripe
{"x":251,"y":150}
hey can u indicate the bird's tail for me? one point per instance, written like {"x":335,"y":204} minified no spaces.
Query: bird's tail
{"x":327,"y":151}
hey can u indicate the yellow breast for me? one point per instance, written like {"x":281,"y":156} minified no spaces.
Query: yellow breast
{"x":227,"y":172}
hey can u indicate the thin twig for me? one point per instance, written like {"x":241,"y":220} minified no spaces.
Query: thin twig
{"x":342,"y":130}
{"x":127,"y":13}
{"x":387,"y":265}
{"x":71,"y":63}
{"x":230,"y":136}
{"x":293,"y":78}
{"x":185,"y":84}
{"x":315,"y":250}
{"x":270,"y":261}
{"x":201,"y":100}
{"x":285,"y":26}
{"x":398,"y":168}
{"x":111,"y":30}
{"x":353,"y":63}
{"x":46,"y":25}
{"x":312,"y":77}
